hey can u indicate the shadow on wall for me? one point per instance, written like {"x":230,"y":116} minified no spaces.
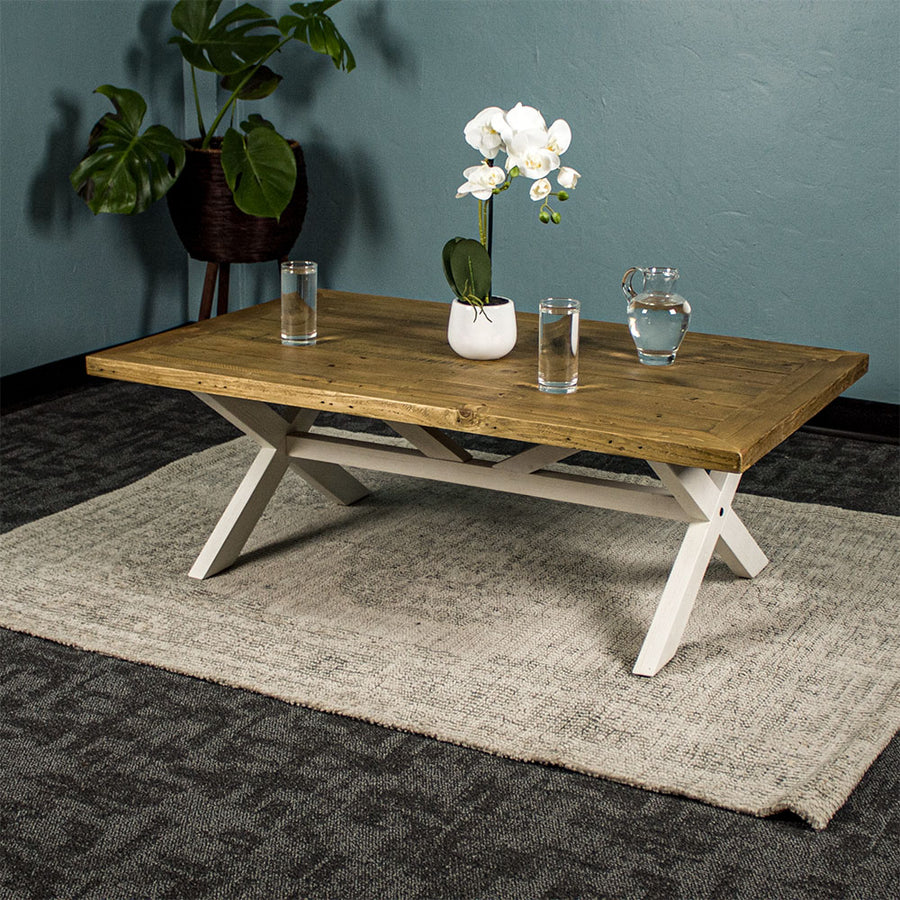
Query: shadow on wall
{"x":394,"y":52}
{"x":51,"y":201}
{"x":55,"y":209}
{"x":340,"y":194}
{"x":343,"y":189}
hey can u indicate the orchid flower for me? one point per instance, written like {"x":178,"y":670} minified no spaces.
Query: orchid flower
{"x":527,"y":151}
{"x":521,"y":118}
{"x":481,"y":181}
{"x":532,"y":150}
{"x":540,"y":189}
{"x":483,"y":132}
{"x":567,"y":177}
{"x":559,"y":136}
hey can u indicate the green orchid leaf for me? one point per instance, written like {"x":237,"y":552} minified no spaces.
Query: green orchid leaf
{"x":260,"y":170}
{"x":310,"y":25}
{"x":446,"y":255}
{"x":467,"y":266}
{"x":262,"y":81}
{"x":125,"y":171}
{"x":239,"y":40}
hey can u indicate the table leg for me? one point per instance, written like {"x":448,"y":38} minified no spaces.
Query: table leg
{"x":699,"y":498}
{"x":707,"y":497}
{"x":269,"y":429}
{"x":431,"y":441}
{"x":242,"y":513}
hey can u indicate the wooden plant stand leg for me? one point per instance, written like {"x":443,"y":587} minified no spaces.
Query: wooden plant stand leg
{"x":222,"y":273}
{"x":705,"y":497}
{"x":260,"y":422}
{"x":224,"y":284}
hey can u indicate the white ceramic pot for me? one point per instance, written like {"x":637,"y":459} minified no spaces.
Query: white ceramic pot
{"x":490,"y":334}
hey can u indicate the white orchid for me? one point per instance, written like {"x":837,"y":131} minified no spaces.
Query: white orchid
{"x":483,"y":132}
{"x":527,"y":151}
{"x":532,"y":150}
{"x":481,"y":181}
{"x":521,"y":118}
{"x":540,"y":189}
{"x":567,"y":177}
{"x":530,"y":145}
{"x":559,"y":136}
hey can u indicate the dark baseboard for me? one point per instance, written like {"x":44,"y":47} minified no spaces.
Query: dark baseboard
{"x":866,"y":420}
{"x":56,"y":379}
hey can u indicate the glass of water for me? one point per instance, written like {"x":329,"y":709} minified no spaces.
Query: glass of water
{"x":298,"y":302}
{"x":558,"y":345}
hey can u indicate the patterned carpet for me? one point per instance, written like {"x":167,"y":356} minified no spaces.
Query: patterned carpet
{"x":118,"y":780}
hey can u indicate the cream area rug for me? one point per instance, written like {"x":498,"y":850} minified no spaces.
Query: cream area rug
{"x":498,"y":622}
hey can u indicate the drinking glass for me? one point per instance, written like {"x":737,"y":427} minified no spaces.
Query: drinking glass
{"x":558,"y":345}
{"x":298,"y":302}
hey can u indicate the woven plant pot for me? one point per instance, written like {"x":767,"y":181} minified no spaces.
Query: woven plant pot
{"x":213,"y":229}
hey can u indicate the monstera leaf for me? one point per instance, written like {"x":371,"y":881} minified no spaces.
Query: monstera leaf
{"x":259,"y":167}
{"x":232,"y":44}
{"x":254,"y":83}
{"x":310,"y":25}
{"x":125,"y":171}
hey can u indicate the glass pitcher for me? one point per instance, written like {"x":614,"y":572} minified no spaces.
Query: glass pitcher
{"x":658,"y":317}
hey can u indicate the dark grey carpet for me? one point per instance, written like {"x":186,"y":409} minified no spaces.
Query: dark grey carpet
{"x":123,"y":781}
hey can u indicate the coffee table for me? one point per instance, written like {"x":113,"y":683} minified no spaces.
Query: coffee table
{"x":699,"y":424}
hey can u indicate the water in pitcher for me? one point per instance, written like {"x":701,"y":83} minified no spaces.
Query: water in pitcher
{"x":657,"y":328}
{"x":658,"y":317}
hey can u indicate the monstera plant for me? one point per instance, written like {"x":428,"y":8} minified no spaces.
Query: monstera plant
{"x":126,"y":169}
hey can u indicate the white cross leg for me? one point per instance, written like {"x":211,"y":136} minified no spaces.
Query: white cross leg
{"x":696,"y":497}
{"x":260,"y":422}
{"x":706,"y":497}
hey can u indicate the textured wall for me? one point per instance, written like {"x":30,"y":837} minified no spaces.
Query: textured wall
{"x":753,"y":145}
{"x":70,"y":282}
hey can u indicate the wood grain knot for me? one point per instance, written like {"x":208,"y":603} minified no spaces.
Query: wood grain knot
{"x":465,"y":415}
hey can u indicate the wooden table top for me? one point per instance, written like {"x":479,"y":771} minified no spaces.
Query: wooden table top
{"x":724,"y":403}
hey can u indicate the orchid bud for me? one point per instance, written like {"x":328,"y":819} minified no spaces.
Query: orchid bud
{"x":563,"y":196}
{"x":555,"y":217}
{"x":544,"y":216}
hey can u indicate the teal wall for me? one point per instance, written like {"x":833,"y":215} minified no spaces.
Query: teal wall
{"x":753,"y":145}
{"x":70,"y":282}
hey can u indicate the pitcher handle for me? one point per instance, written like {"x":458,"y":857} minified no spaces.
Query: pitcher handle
{"x":627,"y":289}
